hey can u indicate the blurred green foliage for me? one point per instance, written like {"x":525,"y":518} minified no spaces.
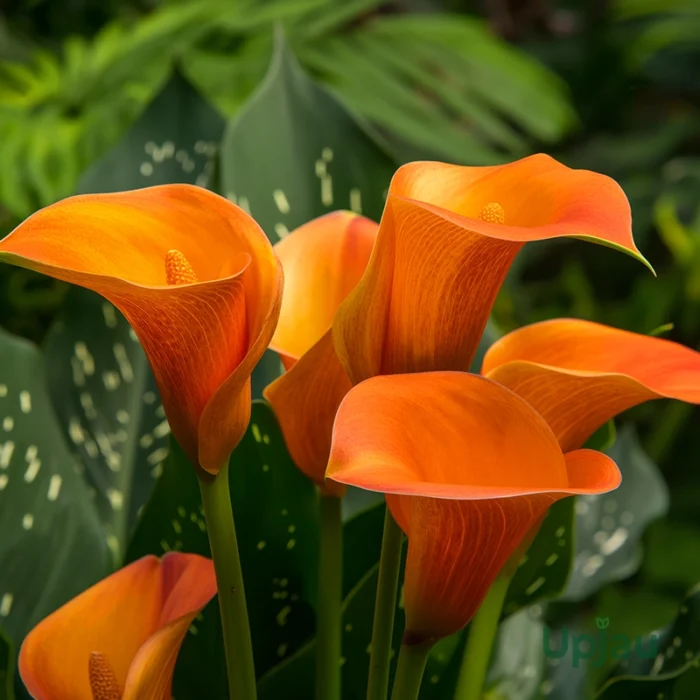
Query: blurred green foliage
{"x":91,"y":94}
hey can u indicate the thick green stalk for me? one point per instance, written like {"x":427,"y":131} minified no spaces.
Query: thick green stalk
{"x":409,"y":672}
{"x":482,"y":633}
{"x":330,"y":595}
{"x":384,"y":610}
{"x":238,"y":646}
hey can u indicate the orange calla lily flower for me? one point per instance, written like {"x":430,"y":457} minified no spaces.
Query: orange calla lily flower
{"x":467,"y":490}
{"x":447,"y":238}
{"x":322,"y":261}
{"x":578,"y":374}
{"x":119,"y":640}
{"x":196,"y":278}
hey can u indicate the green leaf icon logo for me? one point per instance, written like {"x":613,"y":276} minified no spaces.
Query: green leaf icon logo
{"x":602,"y":622}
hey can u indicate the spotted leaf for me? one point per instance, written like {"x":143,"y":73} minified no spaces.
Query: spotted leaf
{"x":174,"y":140}
{"x":518,"y":663}
{"x":108,"y":407}
{"x":276,"y":513}
{"x":609,"y":527}
{"x":673,"y":672}
{"x":294,"y":153}
{"x":544,"y":569}
{"x":294,"y":678}
{"x":52,"y":545}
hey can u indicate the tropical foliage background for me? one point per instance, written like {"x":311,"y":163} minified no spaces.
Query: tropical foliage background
{"x":293,"y":108}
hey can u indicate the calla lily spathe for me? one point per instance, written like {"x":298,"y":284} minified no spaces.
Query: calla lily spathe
{"x":578,"y":375}
{"x":468,"y":469}
{"x":196,"y":278}
{"x":446,"y":240}
{"x":323,"y":261}
{"x":572,"y":375}
{"x":119,"y":640}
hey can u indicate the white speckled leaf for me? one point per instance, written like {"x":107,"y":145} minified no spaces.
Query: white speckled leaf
{"x":277,"y":523}
{"x":174,"y":140}
{"x":673,"y":672}
{"x":52,"y":545}
{"x":107,"y":403}
{"x":518,"y":663}
{"x":544,"y":569}
{"x":294,"y":153}
{"x":609,"y":527}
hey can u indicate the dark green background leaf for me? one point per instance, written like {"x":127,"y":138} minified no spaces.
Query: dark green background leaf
{"x":655,"y":678}
{"x":107,"y":403}
{"x":276,"y":514}
{"x":294,"y":153}
{"x":544,"y":569}
{"x":7,"y":668}
{"x":174,"y":140}
{"x":609,"y":527}
{"x":52,"y":545}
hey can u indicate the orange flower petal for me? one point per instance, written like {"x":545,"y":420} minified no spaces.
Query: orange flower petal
{"x":189,"y":583}
{"x":322,"y":261}
{"x":202,"y":339}
{"x":53,"y":660}
{"x":469,"y":469}
{"x":115,"y":618}
{"x":446,"y":240}
{"x":305,"y":400}
{"x":443,"y":434}
{"x":578,"y":374}
{"x":457,"y":549}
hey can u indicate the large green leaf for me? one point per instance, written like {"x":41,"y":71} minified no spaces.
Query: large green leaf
{"x":609,"y":527}
{"x":52,"y":545}
{"x":294,"y":153}
{"x":174,"y":140}
{"x":658,"y":672}
{"x":7,"y":668}
{"x":544,"y":569}
{"x":296,"y":676}
{"x":276,"y":513}
{"x":107,"y":404}
{"x":518,"y":663}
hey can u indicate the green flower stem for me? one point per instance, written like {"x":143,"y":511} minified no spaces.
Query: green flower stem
{"x":482,"y":633}
{"x":384,"y":610}
{"x":410,"y":669}
{"x":238,"y":646}
{"x":330,"y":596}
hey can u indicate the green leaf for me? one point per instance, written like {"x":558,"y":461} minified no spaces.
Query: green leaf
{"x":7,"y":668}
{"x":107,"y":403}
{"x":609,"y":527}
{"x":294,"y":153}
{"x":276,"y":513}
{"x":518,"y":662}
{"x":296,"y":676}
{"x":174,"y":140}
{"x":665,"y":659}
{"x":671,"y":554}
{"x":544,"y":569}
{"x":52,"y":545}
